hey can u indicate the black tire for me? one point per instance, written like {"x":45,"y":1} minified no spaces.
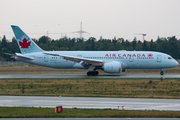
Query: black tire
{"x":161,"y":73}
{"x":97,"y":72}
{"x":93,"y":73}
{"x":89,"y":73}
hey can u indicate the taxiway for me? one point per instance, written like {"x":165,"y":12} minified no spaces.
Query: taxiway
{"x":91,"y":102}
{"x":85,"y":76}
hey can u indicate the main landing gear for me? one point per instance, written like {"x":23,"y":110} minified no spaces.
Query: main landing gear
{"x":93,"y":73}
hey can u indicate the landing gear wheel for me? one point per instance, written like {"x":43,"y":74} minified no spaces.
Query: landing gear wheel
{"x":89,"y":73}
{"x":93,"y":73}
{"x":161,"y":73}
{"x":96,"y":72}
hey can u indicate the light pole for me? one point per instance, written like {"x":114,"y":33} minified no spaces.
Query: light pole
{"x":141,"y":34}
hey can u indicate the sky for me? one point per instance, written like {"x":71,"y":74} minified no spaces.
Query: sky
{"x":106,"y":18}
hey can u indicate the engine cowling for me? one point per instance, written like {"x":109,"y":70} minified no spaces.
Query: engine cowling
{"x":112,"y":67}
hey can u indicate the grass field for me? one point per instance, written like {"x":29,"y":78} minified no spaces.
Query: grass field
{"x":33,"y":69}
{"x":95,"y":87}
{"x":19,"y":112}
{"x":141,"y":88}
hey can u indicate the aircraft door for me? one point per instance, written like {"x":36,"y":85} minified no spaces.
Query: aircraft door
{"x":45,"y":58}
{"x":131,"y":59}
{"x":159,"y":58}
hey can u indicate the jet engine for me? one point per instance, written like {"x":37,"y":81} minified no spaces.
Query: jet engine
{"x":112,"y":67}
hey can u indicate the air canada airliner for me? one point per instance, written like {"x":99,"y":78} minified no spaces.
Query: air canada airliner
{"x":108,"y":61}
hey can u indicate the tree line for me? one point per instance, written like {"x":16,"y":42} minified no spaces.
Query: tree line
{"x":169,"y":45}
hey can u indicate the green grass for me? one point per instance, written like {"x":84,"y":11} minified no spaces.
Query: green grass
{"x":93,"y":87}
{"x":23,"y":112}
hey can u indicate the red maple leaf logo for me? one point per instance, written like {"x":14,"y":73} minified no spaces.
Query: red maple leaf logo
{"x":24,"y":44}
{"x":150,"y":55}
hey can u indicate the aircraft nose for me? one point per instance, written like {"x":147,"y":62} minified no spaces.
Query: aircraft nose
{"x":176,"y":63}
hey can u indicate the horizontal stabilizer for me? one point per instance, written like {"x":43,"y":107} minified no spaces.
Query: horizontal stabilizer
{"x":9,"y":54}
{"x":23,"y":56}
{"x":12,"y":55}
{"x":19,"y":55}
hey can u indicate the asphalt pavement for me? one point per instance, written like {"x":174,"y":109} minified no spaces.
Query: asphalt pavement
{"x":91,"y":102}
{"x":85,"y":76}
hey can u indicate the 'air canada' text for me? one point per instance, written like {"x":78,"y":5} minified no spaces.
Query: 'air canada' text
{"x":128,"y":55}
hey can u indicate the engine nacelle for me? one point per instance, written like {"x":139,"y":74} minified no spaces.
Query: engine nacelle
{"x":112,"y":67}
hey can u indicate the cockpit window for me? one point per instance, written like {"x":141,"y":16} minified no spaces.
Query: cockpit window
{"x":169,"y":58}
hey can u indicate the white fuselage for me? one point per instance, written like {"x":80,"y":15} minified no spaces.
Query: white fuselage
{"x":129,"y":59}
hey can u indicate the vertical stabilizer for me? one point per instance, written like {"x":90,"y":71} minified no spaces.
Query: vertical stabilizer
{"x":26,"y":45}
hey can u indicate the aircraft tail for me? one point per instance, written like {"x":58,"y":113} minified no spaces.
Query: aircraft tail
{"x":26,"y":45}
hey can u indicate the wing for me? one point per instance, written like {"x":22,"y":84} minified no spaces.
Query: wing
{"x":79,"y":59}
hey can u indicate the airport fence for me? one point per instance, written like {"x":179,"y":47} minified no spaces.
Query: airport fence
{"x":13,"y":63}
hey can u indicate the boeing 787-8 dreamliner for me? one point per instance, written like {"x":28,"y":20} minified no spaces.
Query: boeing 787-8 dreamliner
{"x":109,"y":61}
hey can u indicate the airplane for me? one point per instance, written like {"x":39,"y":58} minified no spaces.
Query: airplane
{"x":108,"y":61}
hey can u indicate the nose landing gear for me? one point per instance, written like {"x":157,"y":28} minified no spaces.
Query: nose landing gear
{"x":162,"y":71}
{"x":92,"y":73}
